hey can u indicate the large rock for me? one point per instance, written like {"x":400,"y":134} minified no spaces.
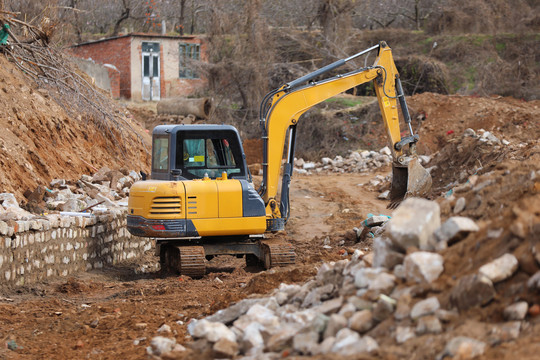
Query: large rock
{"x":384,"y":283}
{"x":228,"y":315}
{"x":385,"y":254}
{"x":413,"y":223}
{"x":361,"y":321}
{"x":422,"y":266}
{"x":454,"y":229}
{"x":425,"y":307}
{"x":336,"y":323}
{"x":211,"y":331}
{"x":500,"y":269}
{"x":282,"y":339}
{"x":364,"y":276}
{"x":472,"y":290}
{"x":349,"y":343}
{"x":160,"y":345}
{"x":463,"y":348}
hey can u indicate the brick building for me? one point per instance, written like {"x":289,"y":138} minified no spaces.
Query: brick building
{"x":147,"y":66}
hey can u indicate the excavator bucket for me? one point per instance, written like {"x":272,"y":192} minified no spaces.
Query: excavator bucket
{"x":412,"y":180}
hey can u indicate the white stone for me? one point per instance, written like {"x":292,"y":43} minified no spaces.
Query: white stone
{"x":252,"y":337}
{"x":422,"y":266}
{"x":384,"y":255}
{"x":454,"y":227}
{"x":164,"y":329}
{"x":404,"y":333}
{"x":516,"y":311}
{"x":464,"y":347}
{"x":500,"y":269}
{"x":384,"y":283}
{"x":364,"y":276}
{"x":413,"y":223}
{"x":425,"y":307}
{"x":386,"y":151}
{"x":160,"y":345}
{"x":361,"y":321}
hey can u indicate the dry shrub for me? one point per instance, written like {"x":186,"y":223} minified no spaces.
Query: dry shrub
{"x":421,"y":74}
{"x":481,"y":16}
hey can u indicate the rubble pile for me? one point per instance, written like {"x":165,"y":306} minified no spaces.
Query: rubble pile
{"x":367,"y":303}
{"x":106,"y":190}
{"x":355,"y":162}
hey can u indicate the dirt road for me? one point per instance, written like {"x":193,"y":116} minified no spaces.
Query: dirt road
{"x":114,"y":314}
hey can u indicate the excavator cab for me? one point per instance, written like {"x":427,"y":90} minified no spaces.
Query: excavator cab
{"x":189,"y":152}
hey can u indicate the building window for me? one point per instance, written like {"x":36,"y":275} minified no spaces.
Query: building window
{"x":188,"y":53}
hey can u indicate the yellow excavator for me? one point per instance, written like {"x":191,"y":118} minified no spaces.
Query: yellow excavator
{"x":201,"y":202}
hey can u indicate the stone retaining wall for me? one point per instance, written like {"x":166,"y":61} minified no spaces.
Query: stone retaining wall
{"x":54,"y":245}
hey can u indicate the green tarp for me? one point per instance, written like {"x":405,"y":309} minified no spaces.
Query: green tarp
{"x":4,"y":34}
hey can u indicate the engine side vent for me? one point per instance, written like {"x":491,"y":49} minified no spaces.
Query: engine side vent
{"x":192,"y":205}
{"x":166,"y":205}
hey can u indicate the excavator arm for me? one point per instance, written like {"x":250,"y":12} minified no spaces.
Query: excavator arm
{"x":281,"y":110}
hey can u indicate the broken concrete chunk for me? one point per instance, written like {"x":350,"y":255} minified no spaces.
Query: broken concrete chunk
{"x":422,"y":266}
{"x":472,"y":290}
{"x":500,"y":269}
{"x":413,"y":222}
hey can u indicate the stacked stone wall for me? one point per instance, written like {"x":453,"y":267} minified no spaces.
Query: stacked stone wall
{"x":55,"y":245}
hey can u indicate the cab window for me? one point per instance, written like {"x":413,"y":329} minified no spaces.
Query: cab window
{"x":208,"y":156}
{"x":160,"y":154}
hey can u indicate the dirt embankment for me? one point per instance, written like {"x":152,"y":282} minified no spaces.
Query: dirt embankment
{"x":116,"y":313}
{"x":40,"y":142}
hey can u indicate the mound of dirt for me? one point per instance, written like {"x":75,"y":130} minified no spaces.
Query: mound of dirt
{"x":41,"y":142}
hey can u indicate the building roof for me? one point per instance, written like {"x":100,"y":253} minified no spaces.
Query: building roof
{"x":145,"y":35}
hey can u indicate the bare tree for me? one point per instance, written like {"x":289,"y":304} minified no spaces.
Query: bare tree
{"x":335,"y":19}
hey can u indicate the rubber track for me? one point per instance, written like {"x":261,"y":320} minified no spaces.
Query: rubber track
{"x":281,"y":254}
{"x":192,"y":261}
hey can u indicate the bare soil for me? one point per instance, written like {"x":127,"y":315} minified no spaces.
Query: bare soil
{"x":101,"y":315}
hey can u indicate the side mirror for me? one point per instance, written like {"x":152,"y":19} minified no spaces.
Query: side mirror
{"x":143,"y":175}
{"x":176,"y":174}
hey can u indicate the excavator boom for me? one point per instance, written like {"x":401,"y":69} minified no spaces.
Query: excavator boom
{"x":283,"y":108}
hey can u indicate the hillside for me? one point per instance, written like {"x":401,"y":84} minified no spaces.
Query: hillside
{"x":39,"y":141}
